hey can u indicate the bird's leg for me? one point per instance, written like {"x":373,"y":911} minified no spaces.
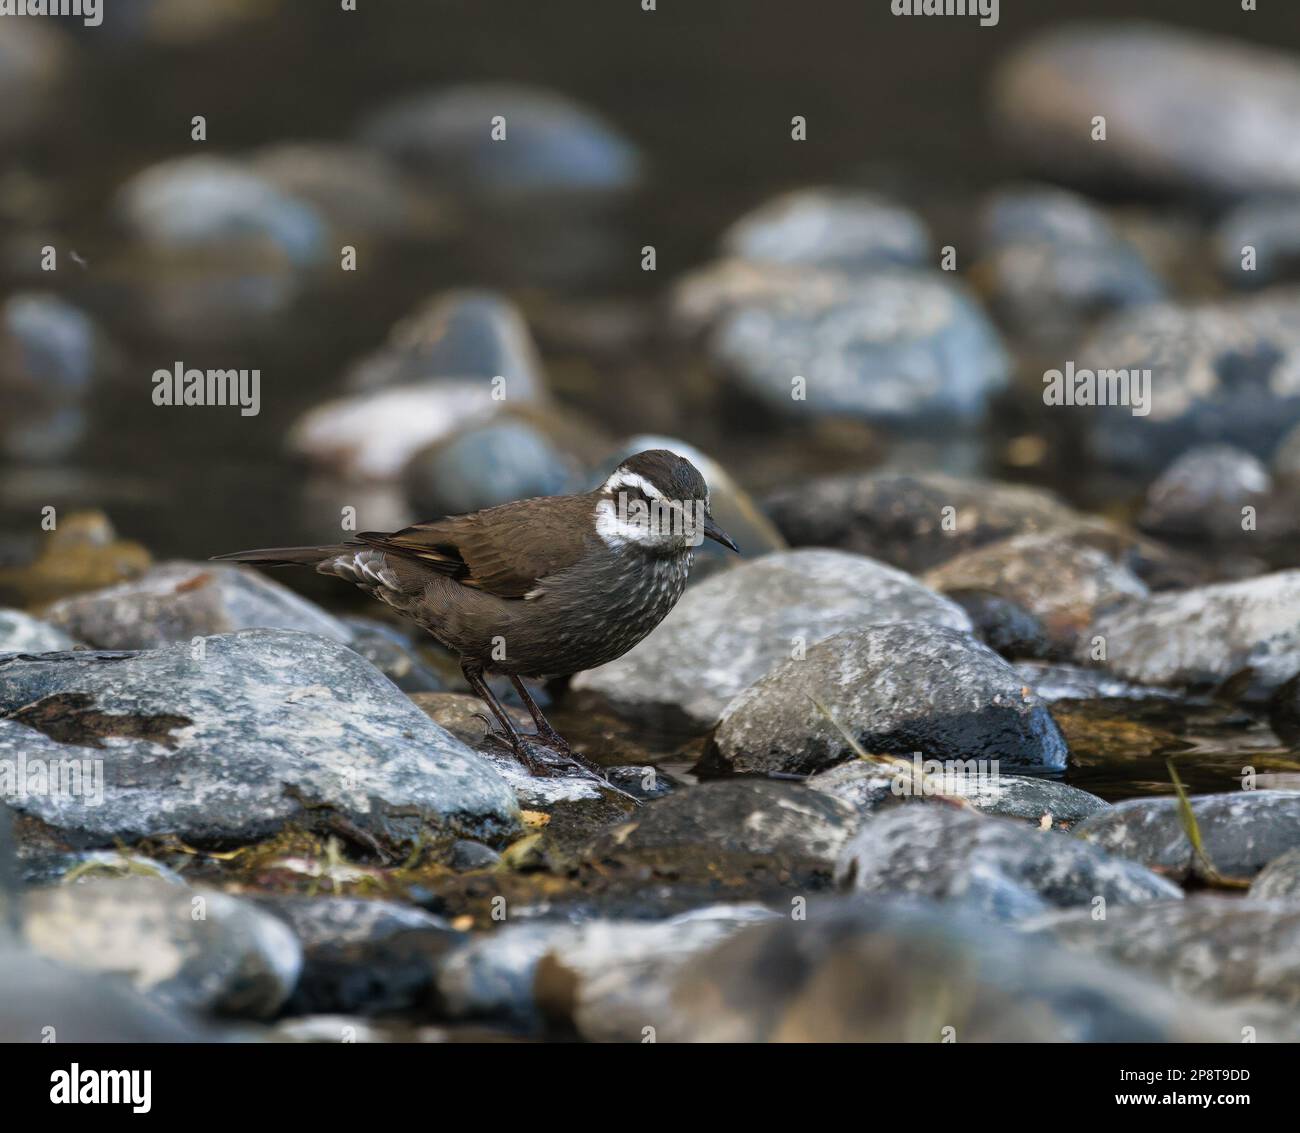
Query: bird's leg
{"x":545,"y":732}
{"x":475,"y":678}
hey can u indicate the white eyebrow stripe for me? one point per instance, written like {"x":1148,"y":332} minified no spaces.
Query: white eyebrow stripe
{"x":622,"y":479}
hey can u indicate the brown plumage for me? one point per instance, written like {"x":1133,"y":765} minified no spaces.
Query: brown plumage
{"x":540,"y":587}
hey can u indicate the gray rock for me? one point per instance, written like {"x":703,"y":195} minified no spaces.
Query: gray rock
{"x":1207,"y":634}
{"x":1060,"y":583}
{"x":463,"y":333}
{"x":22,"y":633}
{"x":553,"y":145}
{"x":179,"y":601}
{"x":1052,"y":262}
{"x":1161,"y":91}
{"x":900,"y":688}
{"x":1241,"y":832}
{"x":1286,"y":459}
{"x":900,"y":518}
{"x":393,"y":653}
{"x":1220,"y":948}
{"x":362,"y":956}
{"x":1279,"y":880}
{"x":1000,"y":867}
{"x":1073,"y":682}
{"x":1220,"y":372}
{"x":264,"y":728}
{"x":1270,"y":226}
{"x":468,"y":856}
{"x":868,"y":787}
{"x":200,"y":950}
{"x":732,"y":628}
{"x":896,"y":346}
{"x":844,"y":228}
{"x":867,"y":970}
{"x":1203,"y":492}
{"x":608,"y":979}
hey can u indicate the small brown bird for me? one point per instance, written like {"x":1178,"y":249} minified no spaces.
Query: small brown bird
{"x":538,"y":588}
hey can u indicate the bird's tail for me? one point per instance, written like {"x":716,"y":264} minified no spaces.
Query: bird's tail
{"x":284,"y":556}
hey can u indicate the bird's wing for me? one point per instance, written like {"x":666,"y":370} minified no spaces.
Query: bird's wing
{"x":504,"y":550}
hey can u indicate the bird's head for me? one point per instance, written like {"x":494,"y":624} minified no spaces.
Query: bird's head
{"x":659,"y":501}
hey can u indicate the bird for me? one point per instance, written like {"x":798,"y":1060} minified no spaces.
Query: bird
{"x":541,"y":587}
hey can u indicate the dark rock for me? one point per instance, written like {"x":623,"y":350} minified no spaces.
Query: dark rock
{"x":1002,"y":625}
{"x":1001,"y":867}
{"x":553,"y":145}
{"x":1203,"y":636}
{"x":1058,"y":583}
{"x":901,"y":688}
{"x":1161,"y":91}
{"x":468,"y":856}
{"x":1271,"y":227}
{"x":732,"y":628}
{"x":913,"y":522}
{"x":1284,"y":711}
{"x":1203,"y":493}
{"x":179,"y":601}
{"x":200,"y":950}
{"x":227,"y":745}
{"x":841,"y":228}
{"x":867,"y":970}
{"x":1241,"y":832}
{"x":1279,"y":880}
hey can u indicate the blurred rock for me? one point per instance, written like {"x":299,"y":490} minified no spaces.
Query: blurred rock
{"x":1279,"y":880}
{"x":1061,"y":585}
{"x":1203,"y":492}
{"x":179,"y":601}
{"x":1003,"y":625}
{"x":393,"y":653}
{"x":732,"y":628}
{"x":896,"y":689}
{"x":911,"y":521}
{"x":34,"y":61}
{"x":1284,"y":711}
{"x":1222,"y":371}
{"x":1241,"y":832}
{"x":1052,"y":262}
{"x":1286,"y":459}
{"x":824,"y":227}
{"x":1002,"y":868}
{"x":199,"y":950}
{"x":553,"y":146}
{"x":1073,"y":682}
{"x":1270,"y":227}
{"x":22,"y":633}
{"x":224,"y":747}
{"x":1205,"y":635}
{"x":1162,"y":93}
{"x":82,"y":552}
{"x":882,"y":971}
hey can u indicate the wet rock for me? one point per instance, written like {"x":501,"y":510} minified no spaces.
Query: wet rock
{"x":463,"y":333}
{"x":1160,"y":90}
{"x":22,"y":633}
{"x":468,"y":856}
{"x":179,"y":601}
{"x":732,"y":628}
{"x":200,"y":950}
{"x":783,"y":826}
{"x":733,"y":509}
{"x":1219,"y":948}
{"x":362,"y":956}
{"x":1205,"y":635}
{"x":1072,"y":682}
{"x":608,"y":980}
{"x":868,"y":970}
{"x":867,"y":787}
{"x":1003,"y":625}
{"x":1060,"y":584}
{"x":33,"y":63}
{"x":1203,"y":493}
{"x":77,"y":869}
{"x":1052,"y":263}
{"x":1219,"y":372}
{"x":1279,"y":880}
{"x":895,"y":346}
{"x":495,"y":462}
{"x":265,"y":728}
{"x":553,"y":146}
{"x":897,"y":689}
{"x":1000,"y":867}
{"x":81,"y":553}
{"x":839,"y":228}
{"x":393,"y":653}
{"x":910,"y":521}
{"x":1241,"y":832}
{"x":1258,"y":242}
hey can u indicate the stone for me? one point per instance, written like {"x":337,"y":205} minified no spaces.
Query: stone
{"x":1204,"y":492}
{"x":1270,"y":227}
{"x":22,"y":633}
{"x":1279,"y":880}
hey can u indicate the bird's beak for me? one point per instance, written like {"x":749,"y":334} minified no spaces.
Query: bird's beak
{"x":714,"y":532}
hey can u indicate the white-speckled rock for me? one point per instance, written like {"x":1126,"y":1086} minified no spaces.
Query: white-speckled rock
{"x":1280,"y":879}
{"x":731,"y":629}
{"x":22,"y":633}
{"x":264,"y":727}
